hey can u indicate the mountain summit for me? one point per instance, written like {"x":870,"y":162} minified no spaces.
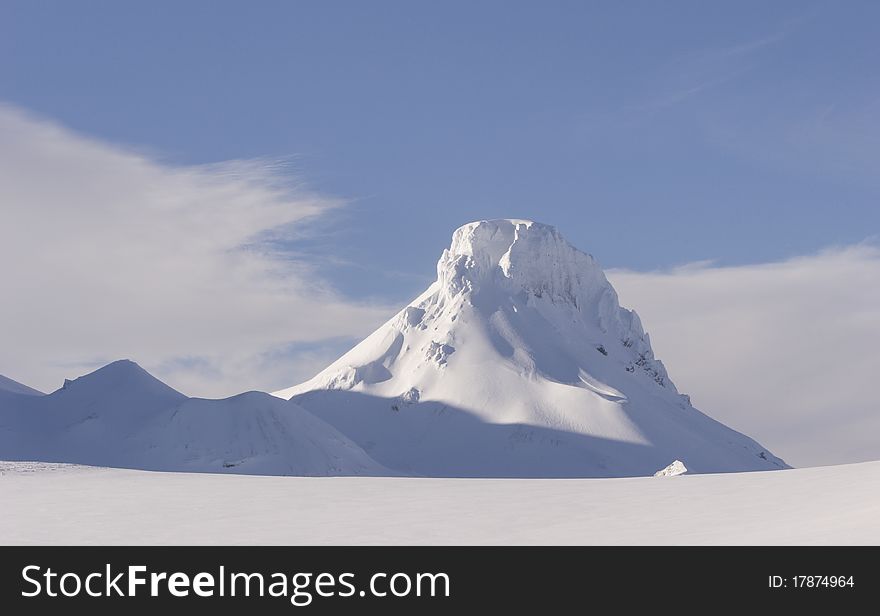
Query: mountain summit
{"x":519,"y":361}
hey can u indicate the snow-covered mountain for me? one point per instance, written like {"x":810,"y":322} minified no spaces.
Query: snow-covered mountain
{"x":122,"y":416}
{"x":519,"y":362}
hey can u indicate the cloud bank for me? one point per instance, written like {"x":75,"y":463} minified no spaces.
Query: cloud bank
{"x":108,"y":253}
{"x":785,"y":352}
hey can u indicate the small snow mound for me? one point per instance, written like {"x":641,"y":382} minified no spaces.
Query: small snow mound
{"x":674,"y":469}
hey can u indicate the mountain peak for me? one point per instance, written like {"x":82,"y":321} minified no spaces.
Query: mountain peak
{"x":121,"y":375}
{"x":517,"y":255}
{"x":490,"y":239}
{"x":490,"y":244}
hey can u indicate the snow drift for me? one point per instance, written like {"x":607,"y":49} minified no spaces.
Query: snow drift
{"x":519,"y":362}
{"x":122,"y":416}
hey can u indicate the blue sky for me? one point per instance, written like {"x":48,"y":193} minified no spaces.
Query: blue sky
{"x":652,"y":134}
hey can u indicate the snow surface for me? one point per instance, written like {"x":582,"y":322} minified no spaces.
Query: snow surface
{"x":52,"y":504}
{"x":122,"y":416}
{"x":519,"y":362}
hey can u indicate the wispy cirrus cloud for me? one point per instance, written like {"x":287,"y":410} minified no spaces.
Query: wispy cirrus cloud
{"x":110,"y":253}
{"x":785,"y":352}
{"x":687,"y":80}
{"x":705,"y":69}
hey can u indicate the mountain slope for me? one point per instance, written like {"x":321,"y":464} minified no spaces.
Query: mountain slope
{"x":122,"y":416}
{"x":519,"y":361}
{"x":10,"y":386}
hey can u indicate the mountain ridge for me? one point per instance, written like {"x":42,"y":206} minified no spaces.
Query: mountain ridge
{"x":122,"y":416}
